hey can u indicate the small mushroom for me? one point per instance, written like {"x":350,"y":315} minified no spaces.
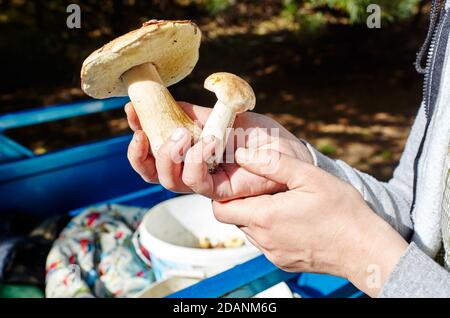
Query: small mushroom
{"x":234,"y":242}
{"x":205,"y":243}
{"x":234,"y":96}
{"x":141,"y":64}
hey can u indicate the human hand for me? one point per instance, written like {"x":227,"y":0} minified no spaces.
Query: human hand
{"x":320,"y":224}
{"x":191,"y":174}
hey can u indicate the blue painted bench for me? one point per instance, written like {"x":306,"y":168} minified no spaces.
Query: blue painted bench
{"x":73,"y":178}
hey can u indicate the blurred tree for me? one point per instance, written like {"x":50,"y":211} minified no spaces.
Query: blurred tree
{"x":35,"y":32}
{"x":215,"y":6}
{"x":354,"y":10}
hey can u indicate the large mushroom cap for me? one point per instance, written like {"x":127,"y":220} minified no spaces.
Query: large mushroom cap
{"x":231,"y":90}
{"x":172,"y":46}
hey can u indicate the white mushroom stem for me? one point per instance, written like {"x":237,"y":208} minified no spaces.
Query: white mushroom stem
{"x":158,"y":112}
{"x":219,"y":121}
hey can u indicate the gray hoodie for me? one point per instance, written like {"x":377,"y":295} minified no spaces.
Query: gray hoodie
{"x":412,"y":200}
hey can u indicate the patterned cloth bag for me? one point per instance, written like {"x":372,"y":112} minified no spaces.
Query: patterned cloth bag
{"x":94,"y":256}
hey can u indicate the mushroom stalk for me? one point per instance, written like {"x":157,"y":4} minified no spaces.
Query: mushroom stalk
{"x":158,"y":112}
{"x":234,"y":96}
{"x":218,"y":125}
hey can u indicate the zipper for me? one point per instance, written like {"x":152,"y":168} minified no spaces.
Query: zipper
{"x":427,"y":75}
{"x":429,"y":103}
{"x":436,"y":24}
{"x":431,"y":30}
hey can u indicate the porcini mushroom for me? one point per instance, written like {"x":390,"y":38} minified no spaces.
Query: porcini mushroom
{"x":234,"y":96}
{"x":141,"y":64}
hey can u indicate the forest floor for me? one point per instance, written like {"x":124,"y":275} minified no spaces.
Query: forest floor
{"x":352,"y":92}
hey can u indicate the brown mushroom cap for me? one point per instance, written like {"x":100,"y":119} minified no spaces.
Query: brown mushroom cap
{"x":172,"y":46}
{"x":232,"y":91}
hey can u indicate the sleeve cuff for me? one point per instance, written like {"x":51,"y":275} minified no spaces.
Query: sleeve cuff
{"x":329,"y":165}
{"x":416,"y":275}
{"x":312,"y":151}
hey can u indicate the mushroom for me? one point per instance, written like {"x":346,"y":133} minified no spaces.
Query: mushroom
{"x":141,"y":64}
{"x":234,"y":96}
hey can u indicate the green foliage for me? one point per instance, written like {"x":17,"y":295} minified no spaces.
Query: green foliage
{"x":311,"y":23}
{"x":355,"y":10}
{"x":386,"y":154}
{"x":215,"y":6}
{"x":290,"y":8}
{"x":327,"y":149}
{"x":310,"y":11}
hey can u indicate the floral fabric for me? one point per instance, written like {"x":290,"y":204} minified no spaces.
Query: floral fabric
{"x":95,"y":257}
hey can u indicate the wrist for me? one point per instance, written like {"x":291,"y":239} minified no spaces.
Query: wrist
{"x":375,"y":253}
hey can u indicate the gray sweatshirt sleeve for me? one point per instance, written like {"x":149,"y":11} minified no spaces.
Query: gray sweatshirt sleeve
{"x":416,"y":274}
{"x":391,"y":200}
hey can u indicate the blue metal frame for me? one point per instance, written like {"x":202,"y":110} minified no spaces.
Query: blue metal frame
{"x":68,"y":179}
{"x":95,"y":173}
{"x":11,"y":150}
{"x":58,"y":112}
{"x":245,"y":280}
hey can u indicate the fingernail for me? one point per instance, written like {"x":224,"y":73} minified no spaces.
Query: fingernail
{"x":178,"y":134}
{"x":242,"y":154}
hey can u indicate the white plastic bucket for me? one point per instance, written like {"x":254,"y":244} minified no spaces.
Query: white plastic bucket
{"x":171,"y":230}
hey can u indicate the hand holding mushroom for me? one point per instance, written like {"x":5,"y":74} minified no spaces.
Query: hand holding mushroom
{"x":141,"y":64}
{"x":231,"y":181}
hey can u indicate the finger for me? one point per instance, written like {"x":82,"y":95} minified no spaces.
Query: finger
{"x":250,"y":237}
{"x":198,"y":114}
{"x":169,"y":160}
{"x":254,"y":243}
{"x":195,"y":112}
{"x":248,"y":232}
{"x":242,"y":212}
{"x":279,"y":167}
{"x":133,"y":120}
{"x":195,"y":172}
{"x":140,"y":158}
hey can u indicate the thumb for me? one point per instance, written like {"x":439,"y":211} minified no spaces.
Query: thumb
{"x":279,"y":167}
